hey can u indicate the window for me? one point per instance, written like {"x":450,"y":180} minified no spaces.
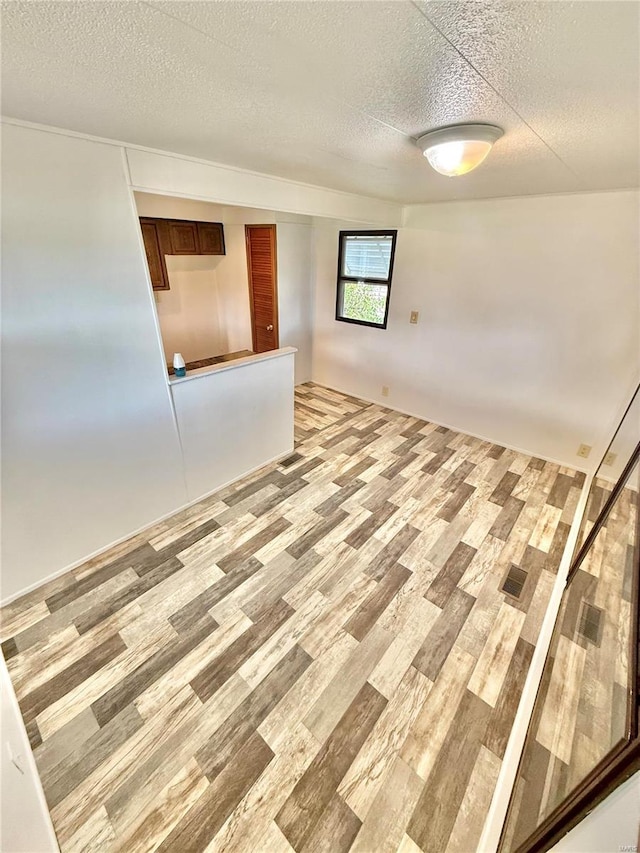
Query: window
{"x":365,"y":265}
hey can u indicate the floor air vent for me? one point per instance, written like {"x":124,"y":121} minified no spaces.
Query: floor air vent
{"x":589,"y":626}
{"x":514,"y":582}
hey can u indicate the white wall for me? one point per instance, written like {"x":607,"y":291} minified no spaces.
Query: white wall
{"x":623,"y":442}
{"x":174,"y":175}
{"x":529,"y":319}
{"x":611,"y":827}
{"x":174,"y":207}
{"x":234,"y":419}
{"x":25,"y":825}
{"x":189,"y":314}
{"x":295,"y":304}
{"x":233,"y":292}
{"x":89,"y":446}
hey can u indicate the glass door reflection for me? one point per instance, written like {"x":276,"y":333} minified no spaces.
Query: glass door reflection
{"x":585,"y":708}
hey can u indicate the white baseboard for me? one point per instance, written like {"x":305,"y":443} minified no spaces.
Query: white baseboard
{"x":455,"y":428}
{"x":11,"y":598}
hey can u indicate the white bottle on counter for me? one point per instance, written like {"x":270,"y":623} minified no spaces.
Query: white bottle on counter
{"x":179,"y":367}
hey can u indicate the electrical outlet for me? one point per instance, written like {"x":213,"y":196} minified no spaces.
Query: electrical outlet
{"x":610,"y":458}
{"x":584,"y":450}
{"x":413,"y":317}
{"x":385,"y":390}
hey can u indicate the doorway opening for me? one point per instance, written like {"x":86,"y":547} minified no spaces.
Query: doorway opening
{"x":214,"y":277}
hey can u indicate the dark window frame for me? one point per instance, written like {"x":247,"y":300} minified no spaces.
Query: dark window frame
{"x":393,"y":233}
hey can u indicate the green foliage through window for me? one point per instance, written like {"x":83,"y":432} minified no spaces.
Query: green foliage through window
{"x":363,"y":301}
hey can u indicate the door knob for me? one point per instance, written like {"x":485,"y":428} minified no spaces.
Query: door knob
{"x":269,"y":328}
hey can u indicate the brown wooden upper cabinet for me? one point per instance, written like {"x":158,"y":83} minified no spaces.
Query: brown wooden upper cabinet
{"x":211,"y":237}
{"x":155,"y":257}
{"x":184,"y":238}
{"x":177,"y":237}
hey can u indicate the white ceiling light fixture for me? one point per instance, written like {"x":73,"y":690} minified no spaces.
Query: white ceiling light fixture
{"x":458,"y":149}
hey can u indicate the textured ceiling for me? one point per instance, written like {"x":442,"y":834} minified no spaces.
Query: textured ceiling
{"x":333,"y":93}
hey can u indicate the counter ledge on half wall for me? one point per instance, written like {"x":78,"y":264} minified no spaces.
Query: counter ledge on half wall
{"x":231,"y":365}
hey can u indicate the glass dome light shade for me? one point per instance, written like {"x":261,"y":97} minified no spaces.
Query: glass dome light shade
{"x":459,"y":149}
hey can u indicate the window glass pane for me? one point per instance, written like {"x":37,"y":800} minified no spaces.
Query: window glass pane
{"x":619,"y":452}
{"x":362,"y":301}
{"x":367,"y":256}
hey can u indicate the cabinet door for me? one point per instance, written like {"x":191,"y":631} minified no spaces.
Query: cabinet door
{"x":211,"y":237}
{"x":184,"y":237}
{"x":155,"y":258}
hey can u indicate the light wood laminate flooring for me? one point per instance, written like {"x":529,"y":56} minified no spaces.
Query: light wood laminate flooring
{"x":319,"y":657}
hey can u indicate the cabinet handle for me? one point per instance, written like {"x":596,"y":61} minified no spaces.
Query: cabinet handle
{"x":269,"y":328}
